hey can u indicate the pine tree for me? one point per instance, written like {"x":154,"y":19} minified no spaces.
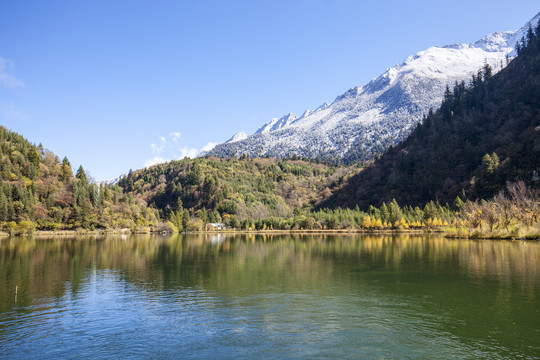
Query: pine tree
{"x":3,"y":206}
{"x":33,"y":156}
{"x":458,"y":203}
{"x":67,"y":173}
{"x":81,"y":175}
{"x":185,"y":218}
{"x":385,"y":213}
{"x":395,"y":212}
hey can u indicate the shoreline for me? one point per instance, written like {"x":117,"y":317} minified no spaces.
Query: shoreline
{"x":42,"y":233}
{"x":447,"y":233}
{"x":46,"y":233}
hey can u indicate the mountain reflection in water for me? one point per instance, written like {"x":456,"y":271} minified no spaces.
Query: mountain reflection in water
{"x":293,"y":296}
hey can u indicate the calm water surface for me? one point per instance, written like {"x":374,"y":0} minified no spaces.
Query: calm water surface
{"x":269,"y":297}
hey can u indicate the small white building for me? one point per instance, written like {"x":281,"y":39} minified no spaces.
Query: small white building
{"x":215,"y":226}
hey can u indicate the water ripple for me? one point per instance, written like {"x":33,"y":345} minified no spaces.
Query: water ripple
{"x":276,"y":300}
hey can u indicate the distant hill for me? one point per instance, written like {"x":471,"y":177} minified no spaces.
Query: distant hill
{"x":366,"y":120}
{"x":485,"y":134}
{"x":246,"y":188}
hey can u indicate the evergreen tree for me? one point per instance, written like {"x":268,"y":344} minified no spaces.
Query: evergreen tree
{"x":67,"y":173}
{"x":395,"y":212}
{"x":3,"y":206}
{"x":385,"y":212}
{"x":81,"y":175}
{"x":185,"y":218}
{"x":458,"y":203}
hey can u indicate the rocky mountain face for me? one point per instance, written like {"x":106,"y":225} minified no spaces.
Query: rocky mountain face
{"x":367,"y":119}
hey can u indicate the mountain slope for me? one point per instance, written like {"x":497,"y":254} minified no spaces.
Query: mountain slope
{"x":37,"y":190}
{"x":366,"y":120}
{"x":480,"y":138}
{"x":245,"y":188}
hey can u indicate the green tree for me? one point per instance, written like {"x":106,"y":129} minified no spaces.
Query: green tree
{"x":81,"y":174}
{"x":385,"y":212}
{"x":3,"y":206}
{"x":490,"y":164}
{"x":214,"y":216}
{"x":185,"y":219}
{"x":488,"y":180}
{"x":203,"y":215}
{"x":395,"y":212}
{"x":67,"y":173}
{"x":176,"y":217}
{"x":458,"y":203}
{"x":33,"y":156}
{"x":233,"y":222}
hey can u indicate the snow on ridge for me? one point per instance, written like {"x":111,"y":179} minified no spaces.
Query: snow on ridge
{"x":277,"y":123}
{"x":239,"y":136}
{"x":324,"y":106}
{"x":496,"y":41}
{"x":366,"y":119}
{"x":306,"y":113}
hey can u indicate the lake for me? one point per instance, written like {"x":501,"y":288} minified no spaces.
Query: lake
{"x":255,"y":296}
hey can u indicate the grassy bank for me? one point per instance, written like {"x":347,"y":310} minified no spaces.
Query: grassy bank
{"x":516,"y":232}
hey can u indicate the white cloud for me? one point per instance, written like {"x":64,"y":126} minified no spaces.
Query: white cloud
{"x":157,"y":149}
{"x":166,"y":150}
{"x":6,"y":79}
{"x":154,"y":161}
{"x":175,"y":136}
{"x":209,"y":146}
{"x":188,"y":152}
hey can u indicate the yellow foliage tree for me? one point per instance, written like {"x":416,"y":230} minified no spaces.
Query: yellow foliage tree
{"x":366,"y":223}
{"x":403,"y":224}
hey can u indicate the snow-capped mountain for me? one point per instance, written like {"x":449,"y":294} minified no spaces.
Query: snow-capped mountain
{"x":239,"y":136}
{"x":277,"y":124}
{"x":367,"y":119}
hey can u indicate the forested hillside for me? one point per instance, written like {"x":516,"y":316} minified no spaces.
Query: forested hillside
{"x":260,"y":194}
{"x":37,"y":190}
{"x":485,"y":134}
{"x":242,"y":188}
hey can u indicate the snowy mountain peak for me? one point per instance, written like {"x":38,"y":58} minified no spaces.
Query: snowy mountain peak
{"x":366,"y":120}
{"x":496,"y":41}
{"x":324,"y":106}
{"x":239,"y":136}
{"x":277,"y":123}
{"x":306,"y":113}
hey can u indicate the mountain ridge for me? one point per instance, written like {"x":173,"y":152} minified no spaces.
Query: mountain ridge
{"x":365,"y":120}
{"x":482,"y":138}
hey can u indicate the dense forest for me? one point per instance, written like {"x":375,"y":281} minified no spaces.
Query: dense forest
{"x":37,"y":190}
{"x":213,"y":189}
{"x":485,"y":134}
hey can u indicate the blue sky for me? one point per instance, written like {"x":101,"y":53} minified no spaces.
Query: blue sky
{"x":115,"y":85}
